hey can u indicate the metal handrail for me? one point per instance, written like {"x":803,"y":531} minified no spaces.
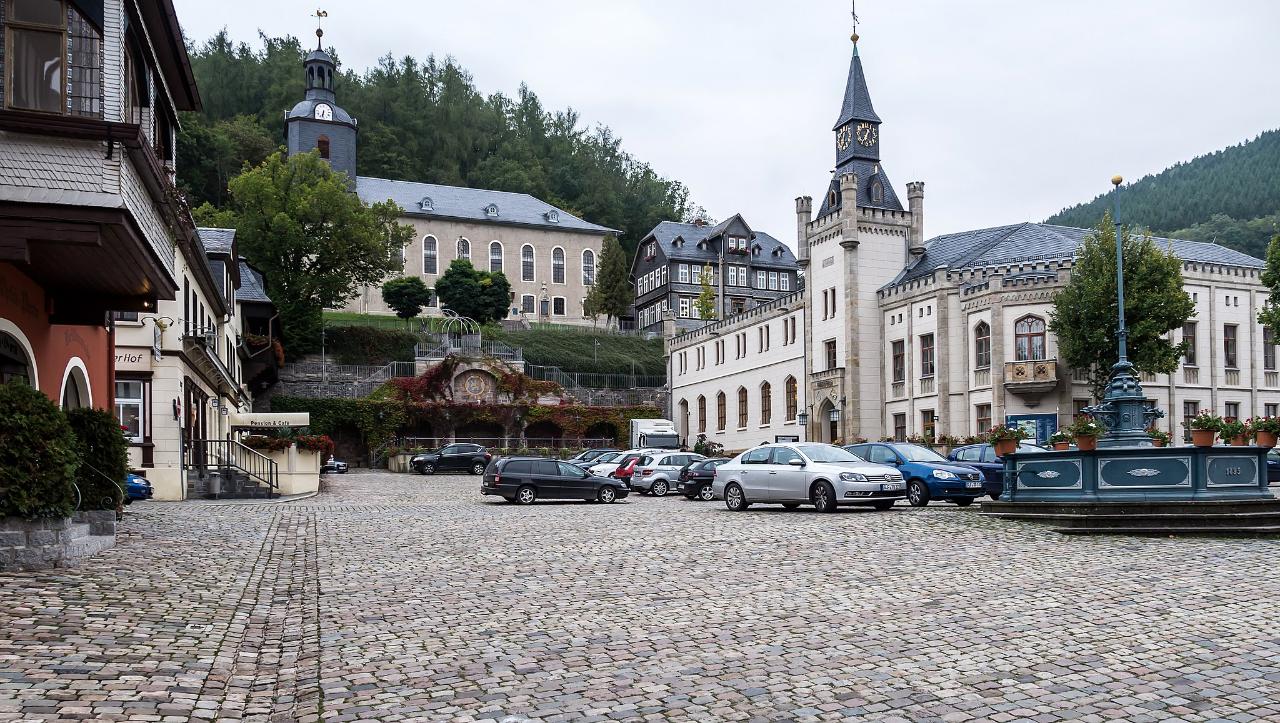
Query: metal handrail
{"x":230,"y":454}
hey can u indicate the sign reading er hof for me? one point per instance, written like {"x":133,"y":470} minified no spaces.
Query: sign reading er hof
{"x":132,"y":360}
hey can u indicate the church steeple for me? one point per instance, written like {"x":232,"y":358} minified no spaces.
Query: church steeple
{"x":317,"y":122}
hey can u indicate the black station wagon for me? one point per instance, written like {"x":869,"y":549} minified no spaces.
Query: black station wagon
{"x":524,"y":479}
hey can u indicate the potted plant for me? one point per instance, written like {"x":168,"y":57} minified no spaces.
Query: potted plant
{"x":1005,"y":439}
{"x":1265,"y":430}
{"x":1086,"y":430}
{"x":1060,"y":439}
{"x":1234,"y":431}
{"x":1158,"y":438}
{"x":1204,"y":427}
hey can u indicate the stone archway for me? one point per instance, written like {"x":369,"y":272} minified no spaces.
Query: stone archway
{"x":75,"y":393}
{"x":602,"y":430}
{"x":489,"y":434}
{"x":544,"y":434}
{"x":828,"y":431}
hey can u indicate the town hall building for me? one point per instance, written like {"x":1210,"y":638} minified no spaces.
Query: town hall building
{"x":894,"y":335}
{"x":549,"y":256}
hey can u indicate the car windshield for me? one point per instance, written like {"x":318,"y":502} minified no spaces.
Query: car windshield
{"x":916,"y":453}
{"x":827,"y":453}
{"x":607,"y":457}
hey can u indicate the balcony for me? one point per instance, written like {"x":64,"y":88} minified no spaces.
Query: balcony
{"x":1031,"y":379}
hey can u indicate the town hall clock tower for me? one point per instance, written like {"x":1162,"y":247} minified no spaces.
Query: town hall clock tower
{"x":317,"y":122}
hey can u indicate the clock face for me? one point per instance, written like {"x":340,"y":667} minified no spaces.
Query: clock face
{"x":324,"y":112}
{"x":867,"y":134}
{"x":844,"y":138}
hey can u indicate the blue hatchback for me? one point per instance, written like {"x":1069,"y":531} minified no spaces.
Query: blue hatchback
{"x":929,"y":475}
{"x":136,"y":487}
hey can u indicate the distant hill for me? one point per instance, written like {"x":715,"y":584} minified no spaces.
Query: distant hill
{"x":1231,"y":197}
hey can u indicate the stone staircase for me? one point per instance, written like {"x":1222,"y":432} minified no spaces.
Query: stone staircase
{"x":1233,"y":518}
{"x":223,"y":484}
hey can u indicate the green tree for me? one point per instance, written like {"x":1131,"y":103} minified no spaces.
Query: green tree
{"x":1084,"y":314}
{"x":611,"y":295}
{"x":706,"y":303}
{"x":482,"y":296}
{"x":407,"y":295}
{"x":315,"y":241}
{"x":1269,"y":316}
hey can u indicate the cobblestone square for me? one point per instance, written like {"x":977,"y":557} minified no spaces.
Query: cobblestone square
{"x":397,"y":597}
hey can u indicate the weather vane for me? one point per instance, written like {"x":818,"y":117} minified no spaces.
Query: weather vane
{"x":854,"y":12}
{"x":319,"y":15}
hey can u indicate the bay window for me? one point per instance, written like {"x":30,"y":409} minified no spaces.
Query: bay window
{"x":53,"y":59}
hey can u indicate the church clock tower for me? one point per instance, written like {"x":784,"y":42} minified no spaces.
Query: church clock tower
{"x":318,"y":123}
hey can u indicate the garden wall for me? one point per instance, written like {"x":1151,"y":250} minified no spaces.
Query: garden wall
{"x":42,"y":544}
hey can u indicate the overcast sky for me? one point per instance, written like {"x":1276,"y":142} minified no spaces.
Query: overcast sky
{"x":1007,"y":109}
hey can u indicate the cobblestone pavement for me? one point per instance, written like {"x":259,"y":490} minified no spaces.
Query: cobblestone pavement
{"x":394,"y":597}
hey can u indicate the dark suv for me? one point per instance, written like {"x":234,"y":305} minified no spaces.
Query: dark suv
{"x":525,"y":479}
{"x":454,"y":458}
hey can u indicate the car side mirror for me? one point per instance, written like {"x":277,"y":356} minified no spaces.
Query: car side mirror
{"x":796,"y":462}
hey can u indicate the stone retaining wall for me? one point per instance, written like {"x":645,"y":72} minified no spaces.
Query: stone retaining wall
{"x":40,"y":544}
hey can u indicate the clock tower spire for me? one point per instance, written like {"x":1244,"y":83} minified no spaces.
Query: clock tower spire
{"x":317,"y":123}
{"x":857,"y":140}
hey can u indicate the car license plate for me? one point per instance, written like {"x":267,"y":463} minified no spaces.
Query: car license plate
{"x":974,"y":484}
{"x":891,"y":486}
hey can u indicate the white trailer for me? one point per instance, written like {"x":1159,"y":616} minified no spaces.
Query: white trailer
{"x":654,"y":433}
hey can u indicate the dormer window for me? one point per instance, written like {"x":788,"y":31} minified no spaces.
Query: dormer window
{"x":650,"y":250}
{"x":678,"y":242}
{"x":491,"y":210}
{"x":552,"y":216}
{"x":831,"y":198}
{"x":426,"y":204}
{"x":755,"y":251}
{"x":877,"y":192}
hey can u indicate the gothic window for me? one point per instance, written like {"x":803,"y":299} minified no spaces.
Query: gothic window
{"x":526,"y":263}
{"x":495,"y":257}
{"x":982,"y":345}
{"x":742,"y":407}
{"x":721,"y":411}
{"x":322,"y":145}
{"x":557,"y":265}
{"x":702,"y":412}
{"x":877,"y":192}
{"x":831,"y":198}
{"x":792,"y":398}
{"x":1029,"y":338}
{"x":588,"y":267}
{"x":429,"y":251}
{"x":766,"y":403}
{"x":464,"y":248}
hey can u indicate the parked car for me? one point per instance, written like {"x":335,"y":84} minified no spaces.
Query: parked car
{"x":333,"y":465}
{"x":136,"y":487}
{"x":523,"y":480}
{"x":605,"y":469}
{"x":695,"y":478}
{"x":982,"y":457}
{"x":626,"y":470}
{"x":454,"y":458}
{"x":928,"y":474}
{"x":822,"y":475}
{"x":602,"y":459}
{"x":1273,"y":467}
{"x":587,"y":456}
{"x":659,"y":473}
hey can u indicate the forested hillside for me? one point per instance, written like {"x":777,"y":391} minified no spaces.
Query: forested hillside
{"x":419,"y":121}
{"x":1231,"y":197}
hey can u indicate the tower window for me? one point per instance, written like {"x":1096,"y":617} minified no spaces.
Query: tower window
{"x":831,"y":198}
{"x":877,"y":192}
{"x":322,"y":145}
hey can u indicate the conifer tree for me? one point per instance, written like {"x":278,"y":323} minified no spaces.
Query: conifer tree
{"x":611,"y":296}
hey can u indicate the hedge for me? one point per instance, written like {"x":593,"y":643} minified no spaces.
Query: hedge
{"x":37,"y":455}
{"x":368,"y":346}
{"x":104,"y":458}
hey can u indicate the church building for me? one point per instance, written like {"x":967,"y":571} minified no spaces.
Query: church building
{"x":549,"y":255}
{"x":894,"y":335}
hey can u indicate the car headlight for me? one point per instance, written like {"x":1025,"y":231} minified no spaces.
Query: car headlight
{"x":853,"y":477}
{"x":943,"y":474}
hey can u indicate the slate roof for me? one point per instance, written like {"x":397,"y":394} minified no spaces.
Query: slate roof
{"x":857,"y":101}
{"x":253,"y":289}
{"x":217,"y":240}
{"x":667,"y":232}
{"x":306,"y":108}
{"x":1041,"y":242}
{"x":866,"y":171}
{"x":469,"y":204}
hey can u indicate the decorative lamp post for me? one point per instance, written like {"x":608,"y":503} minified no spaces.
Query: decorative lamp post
{"x":1123,"y":410}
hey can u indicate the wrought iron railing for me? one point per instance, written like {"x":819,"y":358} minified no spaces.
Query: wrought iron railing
{"x":227,"y":458}
{"x":595,"y":380}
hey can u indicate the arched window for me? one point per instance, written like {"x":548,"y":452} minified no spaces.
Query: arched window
{"x":793,"y":400}
{"x":877,"y":191}
{"x":721,"y":411}
{"x":766,"y":403}
{"x":702,"y":414}
{"x":1028,"y":338}
{"x":982,"y":345}
{"x":588,"y":267}
{"x":742,"y":407}
{"x":464,"y":248}
{"x":831,"y":198}
{"x":429,"y":251}
{"x":683,"y":420}
{"x":526,"y":263}
{"x":322,"y":145}
{"x":495,"y":257}
{"x":557,"y":265}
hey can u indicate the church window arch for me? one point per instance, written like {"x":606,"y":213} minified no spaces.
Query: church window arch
{"x":526,"y":263}
{"x":430,"y":251}
{"x":464,"y":248}
{"x":766,"y":403}
{"x":831,"y":198}
{"x":557,"y":265}
{"x":877,"y":191}
{"x":588,"y":267}
{"x":702,"y":414}
{"x":792,"y":398}
{"x":495,"y":257}
{"x":982,"y":345}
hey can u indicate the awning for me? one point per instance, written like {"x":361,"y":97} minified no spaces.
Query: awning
{"x":268,"y":420}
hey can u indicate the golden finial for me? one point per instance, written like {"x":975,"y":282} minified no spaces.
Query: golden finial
{"x":1117,"y":180}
